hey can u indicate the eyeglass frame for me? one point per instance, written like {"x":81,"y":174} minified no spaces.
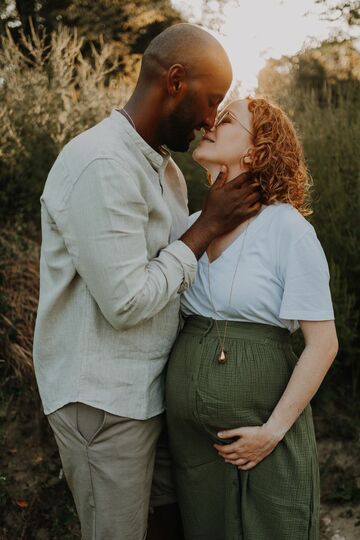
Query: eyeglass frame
{"x":226,"y":112}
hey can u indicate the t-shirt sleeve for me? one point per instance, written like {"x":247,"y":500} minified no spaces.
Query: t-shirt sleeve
{"x":306,"y":281}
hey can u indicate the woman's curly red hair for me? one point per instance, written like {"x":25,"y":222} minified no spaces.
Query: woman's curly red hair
{"x":277,"y":157}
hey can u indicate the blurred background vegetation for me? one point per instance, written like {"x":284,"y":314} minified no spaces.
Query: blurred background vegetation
{"x":63,"y":66}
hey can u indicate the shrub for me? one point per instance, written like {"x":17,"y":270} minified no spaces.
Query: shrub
{"x":48,"y":93}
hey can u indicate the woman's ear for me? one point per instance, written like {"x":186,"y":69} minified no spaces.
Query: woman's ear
{"x":247,"y":159}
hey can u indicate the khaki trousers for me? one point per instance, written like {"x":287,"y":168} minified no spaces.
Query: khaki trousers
{"x":113,"y":465}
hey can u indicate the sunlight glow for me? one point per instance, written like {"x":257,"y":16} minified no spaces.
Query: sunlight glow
{"x":254,"y":30}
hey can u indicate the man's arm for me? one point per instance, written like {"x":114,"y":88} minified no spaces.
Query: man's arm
{"x":106,"y":235}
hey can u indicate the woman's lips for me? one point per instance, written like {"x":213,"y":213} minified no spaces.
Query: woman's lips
{"x":207,"y":139}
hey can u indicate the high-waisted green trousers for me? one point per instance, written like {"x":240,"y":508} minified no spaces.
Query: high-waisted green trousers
{"x":279,"y":498}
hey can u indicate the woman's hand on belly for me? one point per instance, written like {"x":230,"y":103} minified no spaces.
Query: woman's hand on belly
{"x":252,"y":446}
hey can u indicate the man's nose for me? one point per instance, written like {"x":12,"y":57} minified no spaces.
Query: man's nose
{"x":210,"y":120}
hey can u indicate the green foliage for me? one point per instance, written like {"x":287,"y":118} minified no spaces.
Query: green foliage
{"x":195,"y":176}
{"x":331,"y":138}
{"x":320,"y":90}
{"x":328,"y":72}
{"x":128,"y":24}
{"x":48,"y":94}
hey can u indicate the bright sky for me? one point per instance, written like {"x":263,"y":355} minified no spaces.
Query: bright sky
{"x":254,"y":30}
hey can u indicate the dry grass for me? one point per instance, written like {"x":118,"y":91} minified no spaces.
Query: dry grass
{"x":19,"y":294}
{"x":49,"y":92}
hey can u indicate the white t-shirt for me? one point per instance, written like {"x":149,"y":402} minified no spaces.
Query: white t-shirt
{"x":282,"y":274}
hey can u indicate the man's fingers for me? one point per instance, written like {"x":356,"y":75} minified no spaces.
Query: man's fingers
{"x":221,"y":177}
{"x":246,"y":188}
{"x":253,"y":210}
{"x":239,"y":181}
{"x":251,"y":199}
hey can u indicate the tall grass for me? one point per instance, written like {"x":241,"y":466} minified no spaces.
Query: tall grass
{"x":329,"y":128}
{"x":48,"y":93}
{"x":331,"y":138}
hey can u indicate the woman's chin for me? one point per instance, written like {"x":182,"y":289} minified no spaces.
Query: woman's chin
{"x":196,"y":155}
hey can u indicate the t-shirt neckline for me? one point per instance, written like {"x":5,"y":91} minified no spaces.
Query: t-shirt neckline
{"x":250,"y":228}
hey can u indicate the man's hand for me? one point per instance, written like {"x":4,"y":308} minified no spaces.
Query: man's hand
{"x":251,"y":447}
{"x":227,"y":205}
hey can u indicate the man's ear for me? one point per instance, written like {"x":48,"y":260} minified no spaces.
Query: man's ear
{"x":176,"y":80}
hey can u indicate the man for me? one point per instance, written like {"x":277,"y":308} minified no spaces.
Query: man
{"x":112,"y":270}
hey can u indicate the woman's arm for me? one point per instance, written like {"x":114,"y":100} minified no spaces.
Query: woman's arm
{"x":255,"y":443}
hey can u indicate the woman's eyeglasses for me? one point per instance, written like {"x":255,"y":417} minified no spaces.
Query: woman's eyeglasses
{"x":225,"y":117}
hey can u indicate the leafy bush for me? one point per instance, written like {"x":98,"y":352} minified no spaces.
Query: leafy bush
{"x":327,"y":118}
{"x":48,"y":94}
{"x":331,"y":138}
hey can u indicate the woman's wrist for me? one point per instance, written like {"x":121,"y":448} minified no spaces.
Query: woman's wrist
{"x":275,"y":429}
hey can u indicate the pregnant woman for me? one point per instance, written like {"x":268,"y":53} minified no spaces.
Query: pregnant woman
{"x":240,"y":423}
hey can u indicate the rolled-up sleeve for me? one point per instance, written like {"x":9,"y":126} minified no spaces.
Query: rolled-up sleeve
{"x":106,"y":236}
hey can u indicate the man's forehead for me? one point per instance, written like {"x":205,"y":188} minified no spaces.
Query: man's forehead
{"x":215,"y":68}
{"x":216,"y":84}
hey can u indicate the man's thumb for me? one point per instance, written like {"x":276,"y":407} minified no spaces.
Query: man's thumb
{"x":222,"y":176}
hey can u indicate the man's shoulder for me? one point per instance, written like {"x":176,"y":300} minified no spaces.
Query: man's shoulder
{"x":80,"y":155}
{"x":97,"y":142}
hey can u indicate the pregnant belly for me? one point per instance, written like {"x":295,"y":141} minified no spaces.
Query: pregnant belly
{"x":241,"y":392}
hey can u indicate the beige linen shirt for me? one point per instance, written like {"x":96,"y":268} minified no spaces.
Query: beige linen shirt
{"x":111,"y":272}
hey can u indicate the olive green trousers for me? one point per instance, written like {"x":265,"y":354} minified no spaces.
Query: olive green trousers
{"x":279,"y":498}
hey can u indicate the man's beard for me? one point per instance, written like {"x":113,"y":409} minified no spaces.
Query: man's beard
{"x":181,"y":125}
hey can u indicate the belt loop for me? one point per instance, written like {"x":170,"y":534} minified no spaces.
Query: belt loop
{"x":208,"y":329}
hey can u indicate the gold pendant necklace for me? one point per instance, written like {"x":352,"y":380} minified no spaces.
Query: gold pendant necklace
{"x":222,"y":356}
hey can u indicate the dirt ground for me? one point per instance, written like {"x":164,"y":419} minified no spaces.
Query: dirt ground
{"x":35,"y":503}
{"x":340,"y":482}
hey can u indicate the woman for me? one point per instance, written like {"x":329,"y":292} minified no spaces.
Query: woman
{"x":240,"y":423}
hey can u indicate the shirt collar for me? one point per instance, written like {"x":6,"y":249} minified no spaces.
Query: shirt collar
{"x":156,"y":159}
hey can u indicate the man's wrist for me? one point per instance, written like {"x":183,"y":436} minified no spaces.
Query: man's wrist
{"x":199,"y":236}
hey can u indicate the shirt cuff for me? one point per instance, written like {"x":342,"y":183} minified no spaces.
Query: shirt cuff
{"x":188,"y":261}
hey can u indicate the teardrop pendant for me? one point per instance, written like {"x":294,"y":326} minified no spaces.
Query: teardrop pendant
{"x":222,"y":357}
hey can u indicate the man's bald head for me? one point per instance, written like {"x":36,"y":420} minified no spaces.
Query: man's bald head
{"x":184,"y":76}
{"x":186,"y":44}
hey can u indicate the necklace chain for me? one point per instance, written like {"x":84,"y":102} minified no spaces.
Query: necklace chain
{"x":222,"y":355}
{"x":128,"y":117}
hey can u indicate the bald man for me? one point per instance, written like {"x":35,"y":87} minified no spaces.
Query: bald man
{"x":115,"y":258}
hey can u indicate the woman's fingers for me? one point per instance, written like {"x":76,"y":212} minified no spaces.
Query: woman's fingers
{"x":241,"y":461}
{"x":225,"y":449}
{"x":230,"y":457}
{"x":242,"y":464}
{"x":247,"y":466}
